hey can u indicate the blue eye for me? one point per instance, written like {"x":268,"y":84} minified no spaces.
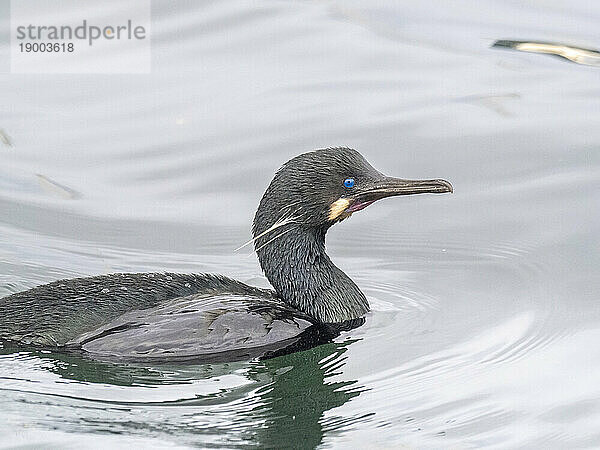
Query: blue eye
{"x":349,"y":182}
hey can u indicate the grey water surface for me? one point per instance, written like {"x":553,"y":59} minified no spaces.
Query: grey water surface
{"x":485,"y":329}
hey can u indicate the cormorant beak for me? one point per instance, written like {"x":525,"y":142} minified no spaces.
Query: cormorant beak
{"x":382,"y":188}
{"x":389,"y":187}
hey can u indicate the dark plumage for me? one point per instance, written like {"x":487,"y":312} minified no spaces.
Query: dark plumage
{"x":165,"y":316}
{"x":298,"y":267}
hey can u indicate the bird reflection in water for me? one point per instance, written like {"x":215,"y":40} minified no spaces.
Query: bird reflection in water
{"x":300,"y":394}
{"x":284,"y":405}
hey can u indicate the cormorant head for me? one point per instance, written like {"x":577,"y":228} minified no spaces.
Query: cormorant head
{"x":310,"y":193}
{"x":320,"y":188}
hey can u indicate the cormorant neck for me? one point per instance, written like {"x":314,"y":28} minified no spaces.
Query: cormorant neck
{"x":297,"y":266}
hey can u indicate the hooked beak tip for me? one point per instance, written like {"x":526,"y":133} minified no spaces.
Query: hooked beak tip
{"x":448,"y":185}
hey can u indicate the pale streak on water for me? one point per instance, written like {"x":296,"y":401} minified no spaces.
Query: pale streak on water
{"x":485,"y":322}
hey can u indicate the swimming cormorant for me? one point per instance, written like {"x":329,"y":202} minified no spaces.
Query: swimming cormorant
{"x":170,"y":316}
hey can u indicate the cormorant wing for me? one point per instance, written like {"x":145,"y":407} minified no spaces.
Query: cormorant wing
{"x":203,"y":327}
